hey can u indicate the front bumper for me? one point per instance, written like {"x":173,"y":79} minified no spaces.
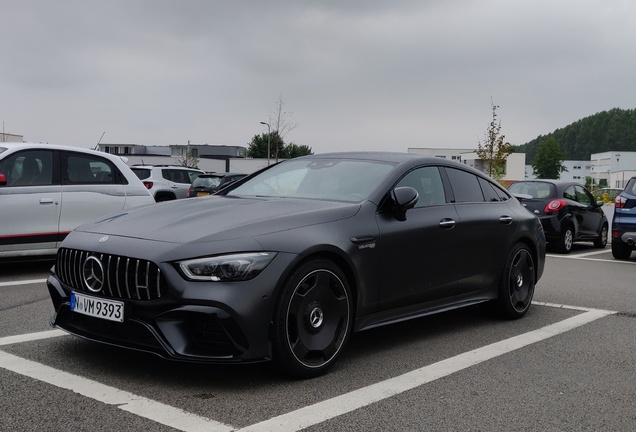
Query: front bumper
{"x":191,"y":321}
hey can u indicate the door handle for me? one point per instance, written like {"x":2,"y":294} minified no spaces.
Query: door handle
{"x":46,"y":201}
{"x":447,"y":223}
{"x":506,"y":220}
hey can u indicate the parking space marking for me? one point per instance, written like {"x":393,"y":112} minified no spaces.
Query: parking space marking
{"x":22,"y":282}
{"x":140,"y":406}
{"x":299,"y":419}
{"x":584,"y":257}
{"x":9,"y":340}
{"x":328,"y":409}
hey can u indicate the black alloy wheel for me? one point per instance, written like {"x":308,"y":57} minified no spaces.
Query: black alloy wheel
{"x":516,"y":287}
{"x":601,"y":240}
{"x":312,"y":320}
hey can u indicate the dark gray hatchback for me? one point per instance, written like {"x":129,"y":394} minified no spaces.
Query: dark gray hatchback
{"x":624,"y":222}
{"x":568,"y":212}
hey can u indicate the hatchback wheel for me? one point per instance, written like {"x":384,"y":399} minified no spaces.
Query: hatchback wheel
{"x":620,"y":250}
{"x":566,"y":240}
{"x":601,"y":241}
{"x":312,"y":320}
{"x":516,"y":287}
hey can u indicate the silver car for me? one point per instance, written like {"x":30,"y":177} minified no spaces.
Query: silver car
{"x":46,"y":191}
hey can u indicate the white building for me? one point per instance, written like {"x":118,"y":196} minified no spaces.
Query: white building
{"x":614,"y":168}
{"x":515,"y":163}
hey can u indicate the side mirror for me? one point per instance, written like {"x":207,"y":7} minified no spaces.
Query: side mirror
{"x":3,"y":180}
{"x":404,"y":198}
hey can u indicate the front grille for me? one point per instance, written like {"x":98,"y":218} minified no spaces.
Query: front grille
{"x":123,"y":277}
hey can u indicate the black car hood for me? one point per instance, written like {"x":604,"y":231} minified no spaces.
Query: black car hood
{"x":218,"y":218}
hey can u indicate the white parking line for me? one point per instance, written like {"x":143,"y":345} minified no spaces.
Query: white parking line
{"x":325,"y":410}
{"x":22,"y":282}
{"x":9,"y":340}
{"x":143,"y":407}
{"x":303,"y":417}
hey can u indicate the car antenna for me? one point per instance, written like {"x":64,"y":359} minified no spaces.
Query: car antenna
{"x":100,"y":140}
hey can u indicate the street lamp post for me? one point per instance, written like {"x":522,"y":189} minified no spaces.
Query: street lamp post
{"x":618,"y":158}
{"x":269,"y":137}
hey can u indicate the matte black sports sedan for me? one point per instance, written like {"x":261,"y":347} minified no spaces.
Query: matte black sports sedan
{"x":568,"y":212}
{"x":286,"y":264}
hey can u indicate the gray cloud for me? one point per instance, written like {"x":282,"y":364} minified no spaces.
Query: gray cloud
{"x":356,"y":75}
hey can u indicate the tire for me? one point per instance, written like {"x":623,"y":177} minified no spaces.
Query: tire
{"x":161,"y":197}
{"x":516,"y":286}
{"x":601,"y":241}
{"x":566,"y":240}
{"x":313,"y":319}
{"x":620,"y":250}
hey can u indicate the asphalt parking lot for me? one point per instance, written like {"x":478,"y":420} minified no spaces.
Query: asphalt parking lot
{"x":570,"y":364}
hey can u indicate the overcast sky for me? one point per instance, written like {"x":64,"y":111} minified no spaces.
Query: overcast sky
{"x":353,"y":75}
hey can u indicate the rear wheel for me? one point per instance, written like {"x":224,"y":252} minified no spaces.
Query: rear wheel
{"x":312,"y":320}
{"x":566,"y":240}
{"x":516,"y":287}
{"x":621,"y":250}
{"x":601,"y":241}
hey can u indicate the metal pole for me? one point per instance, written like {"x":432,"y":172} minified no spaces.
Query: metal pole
{"x":269,"y":137}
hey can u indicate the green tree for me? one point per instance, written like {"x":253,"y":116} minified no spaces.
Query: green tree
{"x":294,"y":150}
{"x":257,"y":148}
{"x":494,"y":151}
{"x":548,"y":162}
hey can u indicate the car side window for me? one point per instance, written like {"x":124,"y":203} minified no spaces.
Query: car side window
{"x":193,"y":175}
{"x":582,"y":196}
{"x":490,"y":191}
{"x":570,"y":193}
{"x":28,"y":168}
{"x":88,"y":169}
{"x":465,"y":186}
{"x":427,"y":181}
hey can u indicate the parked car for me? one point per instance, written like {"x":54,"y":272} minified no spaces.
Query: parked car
{"x":607,"y":195}
{"x":47,"y":190}
{"x":286,"y":264}
{"x":624,"y":222}
{"x":166,"y":182}
{"x":567,"y":210}
{"x":209,"y":183}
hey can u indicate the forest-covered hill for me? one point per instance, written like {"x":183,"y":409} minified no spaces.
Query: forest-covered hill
{"x":605,"y":131}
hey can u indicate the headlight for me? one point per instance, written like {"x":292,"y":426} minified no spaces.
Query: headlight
{"x":236,"y":267}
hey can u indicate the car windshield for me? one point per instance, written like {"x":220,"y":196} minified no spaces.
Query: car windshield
{"x":325,"y":179}
{"x":534,"y":189}
{"x":210,"y":182}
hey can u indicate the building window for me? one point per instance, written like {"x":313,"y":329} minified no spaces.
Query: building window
{"x":440,"y":156}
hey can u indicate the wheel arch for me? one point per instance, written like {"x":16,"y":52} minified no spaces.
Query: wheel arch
{"x":165,"y":196}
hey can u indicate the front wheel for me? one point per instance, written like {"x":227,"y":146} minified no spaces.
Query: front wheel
{"x":516,"y":287}
{"x":312,"y":320}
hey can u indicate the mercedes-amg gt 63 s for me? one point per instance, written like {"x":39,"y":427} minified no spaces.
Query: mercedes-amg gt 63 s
{"x":287,"y":263}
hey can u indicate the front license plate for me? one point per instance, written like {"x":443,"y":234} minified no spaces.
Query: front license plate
{"x":99,"y":308}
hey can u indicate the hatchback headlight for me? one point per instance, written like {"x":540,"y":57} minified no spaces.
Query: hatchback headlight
{"x":235,"y":267}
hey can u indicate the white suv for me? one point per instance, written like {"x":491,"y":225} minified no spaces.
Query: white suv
{"x":48,"y":190}
{"x":166,"y":182}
